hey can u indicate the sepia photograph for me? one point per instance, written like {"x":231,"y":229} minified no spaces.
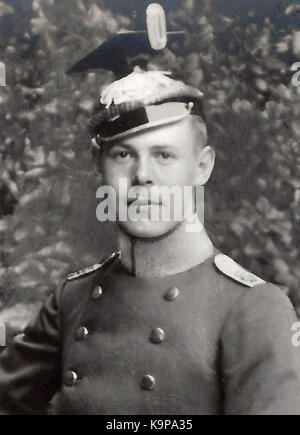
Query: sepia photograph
{"x":149,"y":210}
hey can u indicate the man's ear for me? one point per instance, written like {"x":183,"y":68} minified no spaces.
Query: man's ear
{"x":206,"y":161}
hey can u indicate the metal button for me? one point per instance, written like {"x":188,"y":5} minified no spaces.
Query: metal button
{"x":171,"y":294}
{"x":97,"y":292}
{"x":148,"y":382}
{"x":70,"y":378}
{"x":81,"y":333}
{"x":157,"y":336}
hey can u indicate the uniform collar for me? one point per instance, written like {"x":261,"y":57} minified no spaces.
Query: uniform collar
{"x":174,"y":253}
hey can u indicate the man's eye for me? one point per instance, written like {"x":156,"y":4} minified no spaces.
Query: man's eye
{"x":164,"y":155}
{"x":122,"y":156}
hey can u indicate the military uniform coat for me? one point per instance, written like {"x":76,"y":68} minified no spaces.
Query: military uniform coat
{"x":197,"y":342}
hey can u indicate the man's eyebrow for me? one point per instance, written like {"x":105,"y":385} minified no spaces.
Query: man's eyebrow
{"x":156,"y":147}
{"x":121,"y":145}
{"x":162,"y":146}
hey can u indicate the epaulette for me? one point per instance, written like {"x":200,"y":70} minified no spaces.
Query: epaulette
{"x":232,"y":269}
{"x":91,"y":269}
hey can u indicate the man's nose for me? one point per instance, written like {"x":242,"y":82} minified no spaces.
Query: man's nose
{"x":143,"y":172}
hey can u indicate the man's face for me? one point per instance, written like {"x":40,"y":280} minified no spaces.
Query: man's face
{"x":162,"y":157}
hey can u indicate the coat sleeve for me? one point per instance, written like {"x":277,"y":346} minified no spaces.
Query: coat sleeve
{"x":260,"y":364}
{"x":30,"y":367}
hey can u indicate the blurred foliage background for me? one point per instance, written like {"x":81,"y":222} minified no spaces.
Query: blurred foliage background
{"x":239,"y":53}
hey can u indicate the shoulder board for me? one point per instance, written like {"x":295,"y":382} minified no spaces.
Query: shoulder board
{"x":232,"y":269}
{"x":91,"y":269}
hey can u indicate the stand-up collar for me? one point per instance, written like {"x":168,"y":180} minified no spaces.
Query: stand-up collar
{"x":176,"y":252}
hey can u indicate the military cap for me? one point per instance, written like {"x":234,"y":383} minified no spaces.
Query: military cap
{"x":143,"y":98}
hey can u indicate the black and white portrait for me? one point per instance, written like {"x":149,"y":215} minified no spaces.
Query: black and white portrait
{"x":149,"y":208}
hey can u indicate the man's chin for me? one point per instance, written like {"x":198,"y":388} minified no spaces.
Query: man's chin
{"x":148,"y":229}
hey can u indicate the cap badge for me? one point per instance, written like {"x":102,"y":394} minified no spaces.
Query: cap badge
{"x":137,"y":86}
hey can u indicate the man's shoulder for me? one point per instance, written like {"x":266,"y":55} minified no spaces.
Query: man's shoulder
{"x":88,"y":271}
{"x":248,"y":292}
{"x":81,"y":280}
{"x":238,"y":283}
{"x":235,"y":272}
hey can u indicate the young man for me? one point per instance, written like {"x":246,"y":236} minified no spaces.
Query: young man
{"x":166,"y":325}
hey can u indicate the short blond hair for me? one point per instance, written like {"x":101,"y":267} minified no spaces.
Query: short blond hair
{"x":200,"y":125}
